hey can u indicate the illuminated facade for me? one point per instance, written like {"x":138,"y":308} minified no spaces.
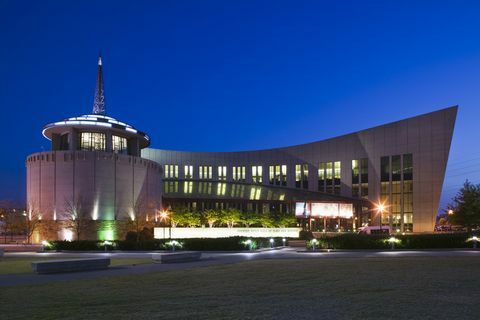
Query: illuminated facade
{"x":400,"y":164}
{"x":94,"y":172}
{"x":104,"y":168}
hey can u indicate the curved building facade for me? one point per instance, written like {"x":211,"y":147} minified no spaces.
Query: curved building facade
{"x":400,"y":165}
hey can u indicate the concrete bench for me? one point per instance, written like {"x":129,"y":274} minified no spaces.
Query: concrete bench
{"x":176,"y":257}
{"x":56,"y":266}
{"x":297,"y":243}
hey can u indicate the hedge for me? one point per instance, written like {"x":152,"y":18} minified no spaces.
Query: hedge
{"x":204,"y":244}
{"x":327,"y":241}
{"x":412,"y":241}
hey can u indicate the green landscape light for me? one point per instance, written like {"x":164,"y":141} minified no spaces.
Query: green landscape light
{"x":392,"y":241}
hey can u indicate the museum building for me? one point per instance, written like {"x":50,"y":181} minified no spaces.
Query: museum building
{"x":107,"y":168}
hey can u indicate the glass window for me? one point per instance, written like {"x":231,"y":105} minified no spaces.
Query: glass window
{"x":257,"y":174}
{"x":171,"y":171}
{"x":205,"y":172}
{"x":321,"y":176}
{"x":385,"y":169}
{"x":396,"y":168}
{"x":188,"y":172}
{"x":271,"y":174}
{"x":238,"y":173}
{"x":119,"y":144}
{"x":92,"y":141}
{"x":222,"y":173}
{"x":407,"y":167}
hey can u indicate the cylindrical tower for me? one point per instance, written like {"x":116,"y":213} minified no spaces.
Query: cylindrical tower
{"x":93,"y":172}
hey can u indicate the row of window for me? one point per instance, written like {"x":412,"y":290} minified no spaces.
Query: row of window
{"x":96,"y":141}
{"x":329,"y":174}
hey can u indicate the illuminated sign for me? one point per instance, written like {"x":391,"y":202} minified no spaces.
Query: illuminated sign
{"x":324,"y":209}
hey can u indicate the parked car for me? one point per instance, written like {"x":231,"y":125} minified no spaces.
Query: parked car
{"x":374,"y":230}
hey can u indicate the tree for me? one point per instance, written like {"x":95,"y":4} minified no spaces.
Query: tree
{"x":32,"y":220}
{"x":138,"y":216}
{"x":211,"y":216}
{"x":249,"y":218}
{"x":77,"y":215}
{"x":230,"y":217}
{"x":466,"y":206}
{"x":285,"y":220}
{"x":184,"y":217}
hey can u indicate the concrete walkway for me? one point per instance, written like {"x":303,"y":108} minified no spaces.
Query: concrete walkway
{"x":208,"y":259}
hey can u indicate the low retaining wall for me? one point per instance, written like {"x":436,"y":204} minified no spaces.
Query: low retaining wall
{"x":188,"y":233}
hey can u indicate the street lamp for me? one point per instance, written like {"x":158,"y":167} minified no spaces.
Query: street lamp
{"x":284,"y":240}
{"x":450,"y":212}
{"x":271,"y":242}
{"x":314,"y":242}
{"x":163,"y":217}
{"x":380,"y":207}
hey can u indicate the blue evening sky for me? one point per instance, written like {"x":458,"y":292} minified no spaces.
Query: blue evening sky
{"x":238,"y":75}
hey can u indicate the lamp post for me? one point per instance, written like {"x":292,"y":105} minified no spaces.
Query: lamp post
{"x":163,"y":218}
{"x":314,"y":242}
{"x":474,"y":240}
{"x":380,"y":210}
{"x":284,"y":240}
{"x":271,"y":242}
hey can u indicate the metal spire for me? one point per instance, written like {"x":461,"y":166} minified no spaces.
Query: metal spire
{"x":99,"y":100}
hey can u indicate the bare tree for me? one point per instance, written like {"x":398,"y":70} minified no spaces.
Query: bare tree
{"x":32,"y":219}
{"x":138,"y":216}
{"x":77,"y":215}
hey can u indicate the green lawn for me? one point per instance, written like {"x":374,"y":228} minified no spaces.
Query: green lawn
{"x":15,"y":265}
{"x":403,"y":288}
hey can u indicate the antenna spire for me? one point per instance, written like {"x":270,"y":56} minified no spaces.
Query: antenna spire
{"x":99,"y":100}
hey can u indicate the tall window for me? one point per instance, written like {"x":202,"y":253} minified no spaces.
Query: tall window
{"x":407,"y":192}
{"x":355,"y":178}
{"x":257,"y":174}
{"x":385,"y":185}
{"x":238,"y":173}
{"x":205,"y":172}
{"x":329,"y":177}
{"x":321,"y":177}
{"x":188,"y":171}
{"x":278,"y":175}
{"x":360,"y":178}
{"x":301,"y":176}
{"x":92,"y":141}
{"x":171,"y":171}
{"x":396,"y":183}
{"x":222,"y":173}
{"x":271,"y":174}
{"x":119,"y":144}
{"x":337,"y":177}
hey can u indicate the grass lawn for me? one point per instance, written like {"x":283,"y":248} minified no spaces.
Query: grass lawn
{"x":380,"y":288}
{"x":15,"y":265}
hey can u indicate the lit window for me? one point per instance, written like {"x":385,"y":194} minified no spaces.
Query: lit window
{"x":257,"y":174}
{"x":92,"y":141}
{"x":171,"y":171}
{"x":222,"y":173}
{"x":188,"y":172}
{"x":205,"y":172}
{"x":119,"y":144}
{"x":301,"y":176}
{"x":238,"y":174}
